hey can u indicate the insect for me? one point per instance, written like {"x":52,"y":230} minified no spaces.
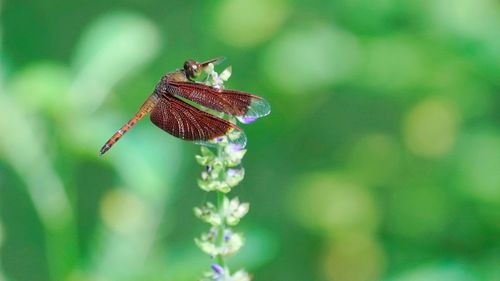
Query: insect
{"x":171,"y":111}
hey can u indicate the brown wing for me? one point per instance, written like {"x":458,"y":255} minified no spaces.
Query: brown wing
{"x":189,"y":123}
{"x":240,"y":104}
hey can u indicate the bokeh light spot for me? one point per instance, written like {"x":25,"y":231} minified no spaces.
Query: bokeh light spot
{"x":479,"y":166}
{"x":331,"y":204}
{"x":244,"y":23}
{"x":393,"y":64}
{"x":375,"y":158}
{"x":123,"y":212}
{"x":353,"y":258}
{"x":310,"y":58}
{"x":430,"y":128}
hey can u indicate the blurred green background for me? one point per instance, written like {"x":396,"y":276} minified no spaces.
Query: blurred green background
{"x":379,"y":161}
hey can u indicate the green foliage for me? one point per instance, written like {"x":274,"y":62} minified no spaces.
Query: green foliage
{"x":379,"y":162}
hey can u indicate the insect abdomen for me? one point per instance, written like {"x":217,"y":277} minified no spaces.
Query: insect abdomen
{"x":145,"y":109}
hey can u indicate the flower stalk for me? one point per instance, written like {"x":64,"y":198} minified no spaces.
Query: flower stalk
{"x":222,"y":172}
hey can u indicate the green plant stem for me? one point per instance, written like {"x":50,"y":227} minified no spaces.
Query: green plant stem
{"x":220,"y":231}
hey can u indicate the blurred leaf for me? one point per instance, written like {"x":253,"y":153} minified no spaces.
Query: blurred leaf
{"x":469,"y":18}
{"x":244,"y":23}
{"x":43,"y":87}
{"x":478,"y":166}
{"x":113,"y":47}
{"x":431,"y":127}
{"x":23,"y":145}
{"x":393,"y":64}
{"x":311,"y":57}
{"x":438,"y":272}
{"x":333,"y":205}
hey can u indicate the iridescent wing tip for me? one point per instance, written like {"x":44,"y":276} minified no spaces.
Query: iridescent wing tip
{"x":258,"y":108}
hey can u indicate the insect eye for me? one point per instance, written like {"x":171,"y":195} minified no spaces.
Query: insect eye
{"x":191,"y":68}
{"x":186,"y":66}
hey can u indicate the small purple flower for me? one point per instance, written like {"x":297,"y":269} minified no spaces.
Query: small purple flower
{"x":227,"y":235}
{"x":217,"y":269}
{"x":233,"y":172}
{"x":234,"y":147}
{"x":247,"y":119}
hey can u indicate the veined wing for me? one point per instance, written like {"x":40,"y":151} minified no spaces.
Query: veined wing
{"x":245,"y":106}
{"x":184,"y":121}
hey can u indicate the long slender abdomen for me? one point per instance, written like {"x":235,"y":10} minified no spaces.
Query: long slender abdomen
{"x":145,"y":109}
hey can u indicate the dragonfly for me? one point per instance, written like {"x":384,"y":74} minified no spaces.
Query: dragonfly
{"x":173,"y":108}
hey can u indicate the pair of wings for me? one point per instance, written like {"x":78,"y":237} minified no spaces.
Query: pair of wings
{"x":187,"y":122}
